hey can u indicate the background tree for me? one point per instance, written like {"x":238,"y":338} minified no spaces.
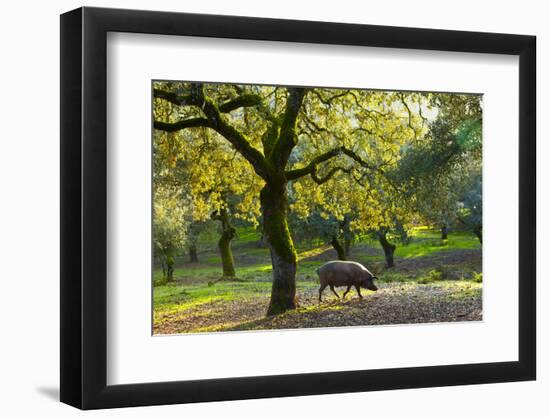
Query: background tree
{"x":436,"y":173}
{"x":194,"y":232}
{"x":169,"y":227}
{"x":318,"y":225}
{"x":354,"y":204}
{"x":201,"y":163}
{"x":471,"y":208}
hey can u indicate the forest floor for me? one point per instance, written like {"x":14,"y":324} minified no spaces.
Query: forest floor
{"x":432,"y":281}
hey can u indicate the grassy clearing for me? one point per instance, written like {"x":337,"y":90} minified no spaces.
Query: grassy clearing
{"x":427,"y":242}
{"x":241,"y":306}
{"x":254,"y":263}
{"x":429,"y":273}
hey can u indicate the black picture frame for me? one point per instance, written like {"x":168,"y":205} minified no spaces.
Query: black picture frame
{"x":84,"y":207}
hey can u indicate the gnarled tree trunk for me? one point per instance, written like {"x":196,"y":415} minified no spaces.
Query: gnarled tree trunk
{"x":444,"y":232}
{"x":274,"y":202}
{"x":478,"y":231}
{"x":388,"y":247}
{"x":340,"y":249}
{"x":346,"y":233}
{"x":193,"y":256}
{"x":224,"y":244}
{"x":169,"y":268}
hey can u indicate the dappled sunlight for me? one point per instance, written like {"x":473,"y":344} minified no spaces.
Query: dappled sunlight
{"x":256,"y":187}
{"x":311,"y":253}
{"x":198,"y":302}
{"x":241,"y":306}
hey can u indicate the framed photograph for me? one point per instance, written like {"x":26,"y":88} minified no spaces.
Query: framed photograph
{"x":257,"y":208}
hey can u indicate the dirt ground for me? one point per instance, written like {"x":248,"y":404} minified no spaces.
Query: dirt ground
{"x":393,"y":303}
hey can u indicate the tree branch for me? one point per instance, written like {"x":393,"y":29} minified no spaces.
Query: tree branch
{"x":329,"y":175}
{"x":359,"y":160}
{"x":215,"y":121}
{"x":180,"y":125}
{"x":269,"y":137}
{"x":239,"y":141}
{"x":245,"y":100}
{"x":287,"y":134}
{"x":312,"y":166}
{"x":178,"y":100}
{"x":312,"y":125}
{"x":328,"y":101}
{"x":409,"y":112}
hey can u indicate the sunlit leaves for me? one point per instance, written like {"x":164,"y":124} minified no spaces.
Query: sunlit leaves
{"x":170,"y":213}
{"x":406,"y":146}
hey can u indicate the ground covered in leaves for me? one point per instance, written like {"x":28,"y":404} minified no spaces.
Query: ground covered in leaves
{"x":432,"y":282}
{"x":394,"y":303}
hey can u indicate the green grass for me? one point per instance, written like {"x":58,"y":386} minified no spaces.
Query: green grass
{"x":427,"y":242}
{"x":247,"y":234}
{"x":198,"y":294}
{"x":461,"y":289}
{"x":173,"y":298}
{"x":254,"y":264}
{"x":432,"y":276}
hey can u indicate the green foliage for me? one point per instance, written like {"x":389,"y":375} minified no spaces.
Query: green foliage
{"x":426,"y":241}
{"x":471,"y":207}
{"x":440,"y":171}
{"x":169,"y":225}
{"x":433,"y":276}
{"x":477,"y":277}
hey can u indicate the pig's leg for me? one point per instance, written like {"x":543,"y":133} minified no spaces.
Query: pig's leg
{"x":358,"y":288}
{"x":334,"y":291}
{"x":347,"y":290}
{"x":323,"y":286}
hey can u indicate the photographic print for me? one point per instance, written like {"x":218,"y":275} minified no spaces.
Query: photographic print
{"x":290,"y":207}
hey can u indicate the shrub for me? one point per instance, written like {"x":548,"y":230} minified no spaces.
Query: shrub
{"x":436,"y":274}
{"x":159,"y":282}
{"x":433,"y":276}
{"x":477,"y":277}
{"x":395,"y":277}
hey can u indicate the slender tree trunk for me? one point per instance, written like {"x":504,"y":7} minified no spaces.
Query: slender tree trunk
{"x":346,"y":232}
{"x":163,"y":264}
{"x":193,"y":256}
{"x":340,"y":249}
{"x":274,"y":202}
{"x":347,"y":246}
{"x":478,"y":231}
{"x":169,"y":268}
{"x":388,"y":247}
{"x":262,"y":242}
{"x":224,"y":244}
{"x":444,"y":232}
{"x":228,"y":264}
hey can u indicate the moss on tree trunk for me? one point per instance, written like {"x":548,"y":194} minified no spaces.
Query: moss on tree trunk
{"x":193,"y":256}
{"x":478,"y":231}
{"x":388,"y":247}
{"x":274,"y":202}
{"x":346,"y":233}
{"x":228,"y":264}
{"x":224,"y":244}
{"x":340,"y":249}
{"x":169,"y":268}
